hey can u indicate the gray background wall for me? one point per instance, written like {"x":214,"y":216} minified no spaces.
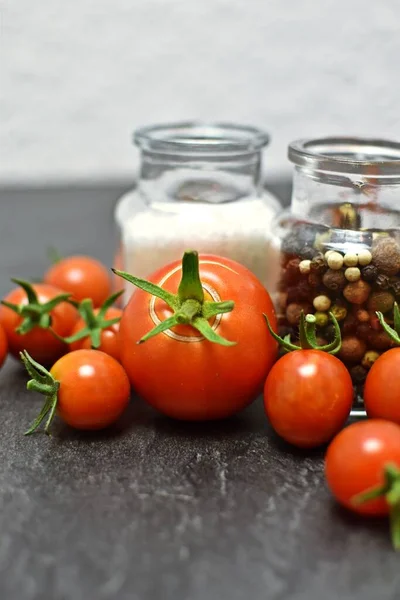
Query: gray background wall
{"x":78,"y":76}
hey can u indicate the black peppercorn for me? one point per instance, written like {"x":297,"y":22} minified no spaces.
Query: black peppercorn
{"x":308,"y":253}
{"x":358,"y":374}
{"x":291,"y":244}
{"x":382,"y":281}
{"x":369,"y":273}
{"x":395,"y":285}
{"x":318,"y":264}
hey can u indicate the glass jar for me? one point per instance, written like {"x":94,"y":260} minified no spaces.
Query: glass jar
{"x":199,"y":187}
{"x":339,"y":246}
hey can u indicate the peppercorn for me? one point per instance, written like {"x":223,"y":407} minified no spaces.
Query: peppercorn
{"x":394,"y":284}
{"x":364,"y":257}
{"x":350,"y":259}
{"x":322,"y":303}
{"x":363,"y":331}
{"x":381,"y":301}
{"x":362,"y":315}
{"x":304,"y":267}
{"x":334,"y":280}
{"x":322,"y":319}
{"x":369,"y":358}
{"x":291,"y":244}
{"x":340,"y":312}
{"x":335,"y":261}
{"x":352,"y":274}
{"x":318,"y":264}
{"x":352,"y":350}
{"x":358,"y":374}
{"x":314,"y":280}
{"x":357,"y":292}
{"x":321,"y":239}
{"x":293,"y":312}
{"x":386,"y":256}
{"x":382,"y":281}
{"x":308,"y":253}
{"x":329,"y":332}
{"x":369,"y":273}
{"x":292,"y":271}
{"x":379,"y":340}
{"x":300,"y":291}
{"x":349,"y":326}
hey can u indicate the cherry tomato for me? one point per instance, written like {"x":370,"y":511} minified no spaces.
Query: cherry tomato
{"x":356,"y":459}
{"x":87,"y":388}
{"x":94,"y":389}
{"x":39,"y":342}
{"x":382,"y":387}
{"x":3,"y":346}
{"x":109,"y":336}
{"x":83,"y":276}
{"x":181,"y":373}
{"x":307,"y":397}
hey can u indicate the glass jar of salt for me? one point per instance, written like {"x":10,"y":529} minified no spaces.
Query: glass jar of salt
{"x":200,"y":188}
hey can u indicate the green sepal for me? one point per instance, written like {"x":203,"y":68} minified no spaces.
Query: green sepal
{"x":188,"y":305}
{"x":307,"y":335}
{"x":43,"y":382}
{"x":394,"y":334}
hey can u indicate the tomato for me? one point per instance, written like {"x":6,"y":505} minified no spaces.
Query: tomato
{"x":89,"y":389}
{"x":3,"y":346}
{"x":181,"y":373}
{"x":109,"y":342}
{"x":382,"y":387}
{"x":307,"y":397}
{"x":355,"y":463}
{"x":82,"y":276}
{"x":39,"y":341}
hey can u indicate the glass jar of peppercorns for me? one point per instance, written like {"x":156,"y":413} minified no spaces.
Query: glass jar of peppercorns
{"x":339,"y":246}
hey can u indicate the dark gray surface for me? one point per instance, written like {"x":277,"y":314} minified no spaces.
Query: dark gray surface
{"x":155,"y":509}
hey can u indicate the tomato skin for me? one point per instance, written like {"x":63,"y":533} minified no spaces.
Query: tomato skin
{"x":307,"y":397}
{"x":355,"y":462}
{"x":201,"y":380}
{"x":109,"y":337}
{"x":94,"y":389}
{"x":382,"y":387}
{"x":3,"y":346}
{"x":41,"y":344}
{"x":82,"y":276}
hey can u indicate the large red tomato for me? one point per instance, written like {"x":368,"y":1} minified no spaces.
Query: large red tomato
{"x":184,"y":375}
{"x":39,"y":341}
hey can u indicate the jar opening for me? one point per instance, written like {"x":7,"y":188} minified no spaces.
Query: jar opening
{"x":358,"y":156}
{"x":201,"y":139}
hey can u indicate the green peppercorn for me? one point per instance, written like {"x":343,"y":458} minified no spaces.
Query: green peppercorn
{"x":369,"y":358}
{"x":322,"y":319}
{"x":340,"y":312}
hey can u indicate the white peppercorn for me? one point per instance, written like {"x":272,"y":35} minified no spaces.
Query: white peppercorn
{"x":335,"y":261}
{"x":364,"y":257}
{"x":322,"y":303}
{"x":350,"y":259}
{"x":352,"y":274}
{"x":305,"y":267}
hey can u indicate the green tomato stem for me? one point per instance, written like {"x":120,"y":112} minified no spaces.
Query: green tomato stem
{"x":188,"y":305}
{"x":307,"y":336}
{"x":394,"y":334}
{"x":43,"y":382}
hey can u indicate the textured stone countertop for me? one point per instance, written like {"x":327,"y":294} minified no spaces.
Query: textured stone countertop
{"x":153,"y":509}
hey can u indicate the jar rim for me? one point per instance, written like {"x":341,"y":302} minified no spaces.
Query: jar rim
{"x":360,"y":156}
{"x":200,"y":138}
